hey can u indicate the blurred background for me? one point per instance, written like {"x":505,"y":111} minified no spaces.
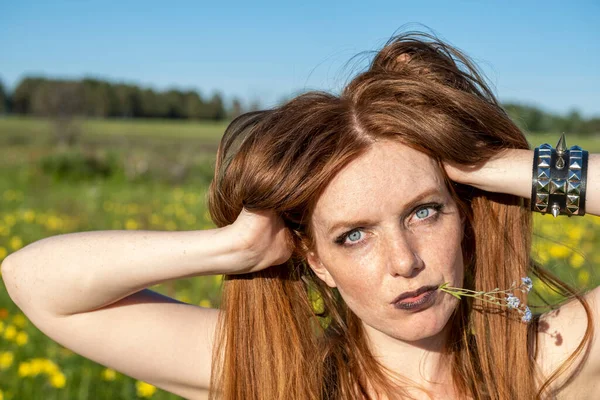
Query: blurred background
{"x":111,"y":114}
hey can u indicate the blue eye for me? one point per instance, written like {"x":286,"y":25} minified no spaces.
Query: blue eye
{"x":354,"y":236}
{"x":423,"y":213}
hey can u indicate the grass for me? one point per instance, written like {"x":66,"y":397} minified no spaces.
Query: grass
{"x":43,"y":192}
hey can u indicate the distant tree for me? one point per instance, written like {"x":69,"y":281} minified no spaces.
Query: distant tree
{"x":193,"y":105}
{"x":214,"y":109}
{"x":98,"y":98}
{"x":23,"y":93}
{"x":591,"y":126}
{"x":175,"y":104}
{"x":236,"y":108}
{"x":3,"y":99}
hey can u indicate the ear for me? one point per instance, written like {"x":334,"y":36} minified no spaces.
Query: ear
{"x":317,"y":266}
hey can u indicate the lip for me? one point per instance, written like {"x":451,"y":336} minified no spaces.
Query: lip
{"x":414,"y":293}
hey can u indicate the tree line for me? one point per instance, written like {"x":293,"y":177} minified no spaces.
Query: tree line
{"x":43,"y":97}
{"x":38,"y":96}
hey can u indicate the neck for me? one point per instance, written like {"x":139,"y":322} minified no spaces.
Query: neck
{"x":423,"y":362}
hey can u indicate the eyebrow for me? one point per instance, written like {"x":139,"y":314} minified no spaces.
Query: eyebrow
{"x":364,"y":222}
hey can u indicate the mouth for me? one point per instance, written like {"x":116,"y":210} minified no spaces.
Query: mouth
{"x":416,"y":299}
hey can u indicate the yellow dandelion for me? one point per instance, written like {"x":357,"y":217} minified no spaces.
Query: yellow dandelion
{"x":144,"y":389}
{"x":3,"y":253}
{"x":577,"y":260}
{"x":19,"y":320}
{"x":10,"y":220}
{"x":156,"y":219}
{"x":170,"y":226}
{"x":1,"y":326}
{"x":575,"y":233}
{"x":38,"y":366}
{"x":131,"y":224}
{"x":558,"y":251}
{"x":22,"y":338}
{"x":183,"y":297}
{"x":4,"y":230}
{"x":1,"y":395}
{"x":49,"y":367}
{"x":24,"y":369}
{"x":108,"y":374}
{"x":205,"y":303}
{"x":584,"y":277}
{"x":29,"y":216}
{"x":53,"y":223}
{"x":16,"y":242}
{"x":6,"y":359}
{"x":58,"y":380}
{"x":66,"y":352}
{"x":10,"y":332}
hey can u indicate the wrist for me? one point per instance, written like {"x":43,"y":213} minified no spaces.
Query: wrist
{"x":508,"y":172}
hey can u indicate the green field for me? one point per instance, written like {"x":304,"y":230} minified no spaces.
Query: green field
{"x":152,"y":175}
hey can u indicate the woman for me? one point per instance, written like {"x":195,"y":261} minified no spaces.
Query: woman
{"x":340,"y":220}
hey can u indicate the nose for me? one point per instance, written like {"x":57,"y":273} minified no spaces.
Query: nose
{"x":402,"y":255}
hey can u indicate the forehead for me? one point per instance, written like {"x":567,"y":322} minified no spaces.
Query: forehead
{"x":388,"y":174}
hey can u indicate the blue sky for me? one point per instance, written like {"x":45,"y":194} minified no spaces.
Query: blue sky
{"x":545,"y":53}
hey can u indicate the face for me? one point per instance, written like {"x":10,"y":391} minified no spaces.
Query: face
{"x":384,"y":226}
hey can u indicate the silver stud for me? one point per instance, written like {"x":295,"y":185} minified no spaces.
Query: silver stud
{"x":543,"y":173}
{"x":561,"y":146}
{"x":542,"y":186}
{"x":544,"y":163}
{"x":573,"y":200}
{"x":574,"y":188}
{"x":574,"y":175}
{"x":558,"y":186}
{"x":541,"y":198}
{"x":555,"y":210}
{"x":574,"y":164}
{"x":573,"y":209}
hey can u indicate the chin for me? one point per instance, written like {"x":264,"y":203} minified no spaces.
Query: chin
{"x":424,"y":324}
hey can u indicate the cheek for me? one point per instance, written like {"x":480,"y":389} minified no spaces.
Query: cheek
{"x":356,"y":274}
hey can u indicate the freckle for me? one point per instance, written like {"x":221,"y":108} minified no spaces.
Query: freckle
{"x":559,"y":339}
{"x":543,"y":326}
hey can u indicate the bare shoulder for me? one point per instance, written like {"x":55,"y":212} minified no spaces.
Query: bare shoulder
{"x":559,"y":336}
{"x":147,"y":336}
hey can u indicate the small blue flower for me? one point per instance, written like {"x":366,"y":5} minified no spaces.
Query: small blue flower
{"x":526,"y":315}
{"x":526,"y":281}
{"x":512,"y":301}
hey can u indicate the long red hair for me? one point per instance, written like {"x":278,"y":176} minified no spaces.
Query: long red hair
{"x":284,"y":334}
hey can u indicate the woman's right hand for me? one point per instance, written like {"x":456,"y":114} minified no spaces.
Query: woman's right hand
{"x":263,"y":239}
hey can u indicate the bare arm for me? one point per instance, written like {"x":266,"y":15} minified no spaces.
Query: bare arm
{"x":511,"y":172}
{"x":83,"y":271}
{"x":87,"y":292}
